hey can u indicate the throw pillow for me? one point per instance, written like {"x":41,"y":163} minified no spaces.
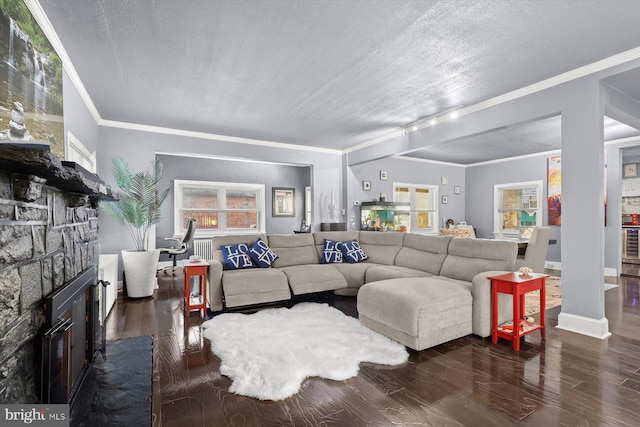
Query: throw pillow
{"x":236,"y":257}
{"x":262,"y":254}
{"x":331,"y":252}
{"x":352,"y":252}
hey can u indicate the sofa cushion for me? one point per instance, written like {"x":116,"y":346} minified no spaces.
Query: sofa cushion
{"x":331,"y":252}
{"x":426,"y":253}
{"x":419,"y":312}
{"x":384,"y":272}
{"x":236,"y":257}
{"x":381,"y":248}
{"x":337,"y":236}
{"x":354,"y":274}
{"x":293,"y":249}
{"x":262,"y":254}
{"x":244,"y":287}
{"x":468,"y":257}
{"x":352,"y":252}
{"x":305,"y":279}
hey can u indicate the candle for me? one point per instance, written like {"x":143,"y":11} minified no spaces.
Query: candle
{"x":332,"y":198}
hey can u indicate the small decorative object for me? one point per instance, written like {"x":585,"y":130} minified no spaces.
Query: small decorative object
{"x":450,"y":223}
{"x":333,"y":208}
{"x":366,"y":185}
{"x":456,"y":189}
{"x":445,"y":200}
{"x":443,"y":180}
{"x":304,"y":227}
{"x":383,"y":175}
{"x":630,"y":170}
{"x":383,"y":197}
{"x":525,"y":271}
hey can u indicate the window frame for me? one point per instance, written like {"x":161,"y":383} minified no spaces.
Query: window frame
{"x":221,"y":188}
{"x":435,"y":228}
{"x":498,"y":203}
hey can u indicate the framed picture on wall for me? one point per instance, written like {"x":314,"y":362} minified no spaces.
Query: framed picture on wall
{"x":283,"y":202}
{"x":366,"y":185}
{"x":445,"y":200}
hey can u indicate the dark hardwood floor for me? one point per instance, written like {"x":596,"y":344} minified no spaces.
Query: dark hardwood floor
{"x":565,"y":380}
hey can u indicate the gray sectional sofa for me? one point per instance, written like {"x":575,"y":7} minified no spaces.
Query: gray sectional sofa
{"x":416,"y":289}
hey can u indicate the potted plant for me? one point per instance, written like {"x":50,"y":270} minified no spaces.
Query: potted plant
{"x":138,"y":208}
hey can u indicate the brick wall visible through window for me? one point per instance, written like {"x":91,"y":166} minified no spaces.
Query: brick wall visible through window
{"x":219,"y":206}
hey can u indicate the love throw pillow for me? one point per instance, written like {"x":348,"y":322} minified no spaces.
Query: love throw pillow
{"x":236,"y":257}
{"x":331,"y":252}
{"x":262,"y":254}
{"x":352,"y":252}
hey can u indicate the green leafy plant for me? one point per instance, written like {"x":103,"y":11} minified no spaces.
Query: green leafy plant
{"x":138,"y":204}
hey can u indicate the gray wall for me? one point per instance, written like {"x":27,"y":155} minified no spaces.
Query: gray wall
{"x":479,"y":198}
{"x":406,"y":171}
{"x":219,"y":170}
{"x":140,"y":147}
{"x":77,"y":117}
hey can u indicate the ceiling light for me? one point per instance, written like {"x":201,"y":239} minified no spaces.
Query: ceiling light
{"x":453,"y":115}
{"x":433,"y":122}
{"x":414,"y":127}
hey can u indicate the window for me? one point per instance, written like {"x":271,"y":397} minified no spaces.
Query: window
{"x":218,"y":207}
{"x":424,"y":205}
{"x":517,"y":206}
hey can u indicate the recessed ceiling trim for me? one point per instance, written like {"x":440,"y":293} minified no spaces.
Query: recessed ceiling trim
{"x":623,"y":140}
{"x":508,"y":159}
{"x":603,"y":64}
{"x":228,"y":158}
{"x":435,"y":162}
{"x":45,"y":25}
{"x":204,"y":135}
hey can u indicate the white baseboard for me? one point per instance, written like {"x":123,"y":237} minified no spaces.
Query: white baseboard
{"x":597,"y":328}
{"x":556,"y":265}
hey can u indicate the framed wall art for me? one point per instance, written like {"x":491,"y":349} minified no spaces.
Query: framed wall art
{"x":284,"y":202}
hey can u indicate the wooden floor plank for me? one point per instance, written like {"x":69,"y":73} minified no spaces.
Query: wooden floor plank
{"x":566,"y":379}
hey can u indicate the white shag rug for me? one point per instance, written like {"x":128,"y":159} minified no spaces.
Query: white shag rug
{"x":268,"y":354}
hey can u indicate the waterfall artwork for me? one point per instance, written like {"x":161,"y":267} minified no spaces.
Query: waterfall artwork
{"x":30,"y":82}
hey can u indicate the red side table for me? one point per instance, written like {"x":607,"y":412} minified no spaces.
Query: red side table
{"x":195,"y":300}
{"x":517,"y":285}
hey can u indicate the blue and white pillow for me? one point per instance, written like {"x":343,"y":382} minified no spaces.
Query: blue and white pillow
{"x":331,"y":252}
{"x":262,"y":254}
{"x":236,"y":257}
{"x":352,"y":252}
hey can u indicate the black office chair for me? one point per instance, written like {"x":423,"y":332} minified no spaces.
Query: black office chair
{"x":184,"y":243}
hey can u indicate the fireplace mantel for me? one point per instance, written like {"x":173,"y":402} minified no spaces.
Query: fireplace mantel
{"x":45,"y":165}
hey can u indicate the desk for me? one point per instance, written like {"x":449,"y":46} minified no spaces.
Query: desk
{"x":195,"y":300}
{"x":517,"y":285}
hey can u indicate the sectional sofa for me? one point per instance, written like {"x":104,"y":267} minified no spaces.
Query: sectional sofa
{"x":416,"y":289}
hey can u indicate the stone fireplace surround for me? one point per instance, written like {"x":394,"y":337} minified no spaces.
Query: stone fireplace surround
{"x":48,"y":236}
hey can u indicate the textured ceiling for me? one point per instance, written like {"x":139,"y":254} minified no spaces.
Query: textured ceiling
{"x":330,"y":73}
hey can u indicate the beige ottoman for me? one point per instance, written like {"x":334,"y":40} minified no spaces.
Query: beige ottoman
{"x":419,"y":312}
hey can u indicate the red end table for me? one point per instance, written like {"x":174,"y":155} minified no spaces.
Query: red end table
{"x":517,"y":285}
{"x":195,"y":300}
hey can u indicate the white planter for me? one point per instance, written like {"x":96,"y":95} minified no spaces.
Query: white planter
{"x":140,"y":272}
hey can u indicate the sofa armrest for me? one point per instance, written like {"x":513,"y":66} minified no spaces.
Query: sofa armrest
{"x":214,"y":293}
{"x":481,"y":308}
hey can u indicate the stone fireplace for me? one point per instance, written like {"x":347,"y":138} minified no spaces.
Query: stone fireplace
{"x":48,"y":238}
